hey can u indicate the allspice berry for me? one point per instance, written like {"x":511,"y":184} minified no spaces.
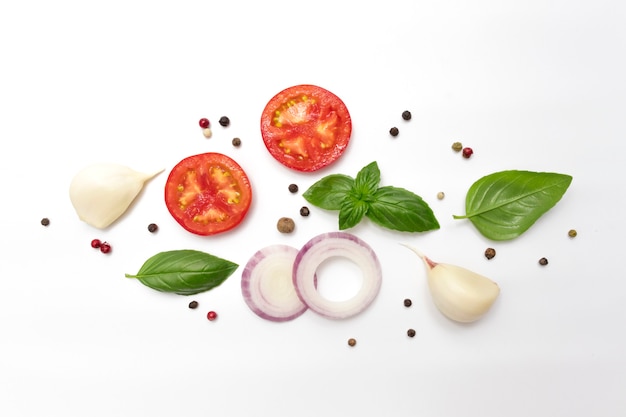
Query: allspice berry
{"x":285,"y":225}
{"x":490,"y":253}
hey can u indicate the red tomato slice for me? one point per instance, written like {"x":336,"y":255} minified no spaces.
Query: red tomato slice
{"x":306,"y":127}
{"x":208,"y":193}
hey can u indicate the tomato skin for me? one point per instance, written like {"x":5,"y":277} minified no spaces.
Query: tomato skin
{"x":306,"y":127}
{"x":208,"y":193}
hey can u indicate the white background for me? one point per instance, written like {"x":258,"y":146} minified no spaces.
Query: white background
{"x":535,"y":85}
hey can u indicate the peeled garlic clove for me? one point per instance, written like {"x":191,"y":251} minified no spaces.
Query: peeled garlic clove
{"x":101,"y":193}
{"x":460,"y":294}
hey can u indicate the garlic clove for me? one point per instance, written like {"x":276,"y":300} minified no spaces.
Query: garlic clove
{"x":460,"y":294}
{"x":101,"y":193}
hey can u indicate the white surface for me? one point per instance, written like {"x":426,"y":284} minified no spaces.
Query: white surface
{"x":533,"y":85}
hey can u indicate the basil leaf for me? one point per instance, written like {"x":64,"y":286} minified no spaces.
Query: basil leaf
{"x":366,"y":181}
{"x":505,"y":204}
{"x":184,"y":272}
{"x":329,"y":192}
{"x":399,"y":209}
{"x":352,"y":211}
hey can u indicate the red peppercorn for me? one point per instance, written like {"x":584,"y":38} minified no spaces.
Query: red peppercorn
{"x":467,"y":152}
{"x":211,"y":315}
{"x":105,"y":247}
{"x":96,"y":243}
{"x":204,"y":123}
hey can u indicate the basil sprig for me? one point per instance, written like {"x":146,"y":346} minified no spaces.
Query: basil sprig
{"x":184,"y":272}
{"x":505,"y":204}
{"x":390,"y":207}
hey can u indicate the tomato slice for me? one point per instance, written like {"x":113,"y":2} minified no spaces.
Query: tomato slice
{"x":208,"y":193}
{"x":306,"y":127}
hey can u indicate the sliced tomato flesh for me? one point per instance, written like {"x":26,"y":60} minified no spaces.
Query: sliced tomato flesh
{"x":306,"y":127}
{"x":208,"y":193}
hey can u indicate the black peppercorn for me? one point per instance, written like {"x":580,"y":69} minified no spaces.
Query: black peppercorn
{"x":224,"y":121}
{"x":236,"y":142}
{"x":193,"y":304}
{"x":152,"y":227}
{"x":45,"y":221}
{"x":407,"y":302}
{"x":304,"y":211}
{"x":410,"y":333}
{"x":394,"y":131}
{"x":293,"y":188}
{"x":406,"y":115}
{"x":543,"y":261}
{"x":490,"y":253}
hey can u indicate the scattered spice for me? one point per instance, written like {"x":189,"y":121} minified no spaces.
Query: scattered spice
{"x":285,"y":225}
{"x":351,"y":342}
{"x":490,"y":253}
{"x":105,"y":247}
{"x":304,"y":211}
{"x":408,"y":302}
{"x":440,"y":195}
{"x":293,"y":188}
{"x":152,"y":227}
{"x":410,"y":333}
{"x":193,"y":304}
{"x":45,"y":221}
{"x":406,"y":115}
{"x":96,"y":243}
{"x":467,"y":152}
{"x":457,"y":146}
{"x":224,"y":121}
{"x":211,"y":315}
{"x":571,"y":233}
{"x":394,"y":131}
{"x":207,"y":132}
{"x":543,"y":261}
{"x":236,"y":142}
{"x":204,"y":123}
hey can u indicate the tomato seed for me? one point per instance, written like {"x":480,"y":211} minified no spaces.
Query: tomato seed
{"x":543,"y":261}
{"x":394,"y":131}
{"x":105,"y":247}
{"x":293,"y":188}
{"x":45,"y":221}
{"x":224,"y":121}
{"x":351,"y":342}
{"x":204,"y":123}
{"x":236,"y":142}
{"x":490,"y":253}
{"x":406,"y":115}
{"x":304,"y":211}
{"x":285,"y":225}
{"x":211,"y":315}
{"x":410,"y":333}
{"x":408,"y":302}
{"x":193,"y":304}
{"x":96,"y":243}
{"x":467,"y":152}
{"x":152,"y":228}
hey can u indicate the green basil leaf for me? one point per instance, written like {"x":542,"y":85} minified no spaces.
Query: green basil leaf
{"x":329,"y":192}
{"x":367,"y":180}
{"x":184,"y":272}
{"x":352,"y":211}
{"x":399,"y":209}
{"x":505,"y":204}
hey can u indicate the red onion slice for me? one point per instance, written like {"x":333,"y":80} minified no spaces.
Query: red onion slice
{"x":323,"y":247}
{"x":267,"y":284}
